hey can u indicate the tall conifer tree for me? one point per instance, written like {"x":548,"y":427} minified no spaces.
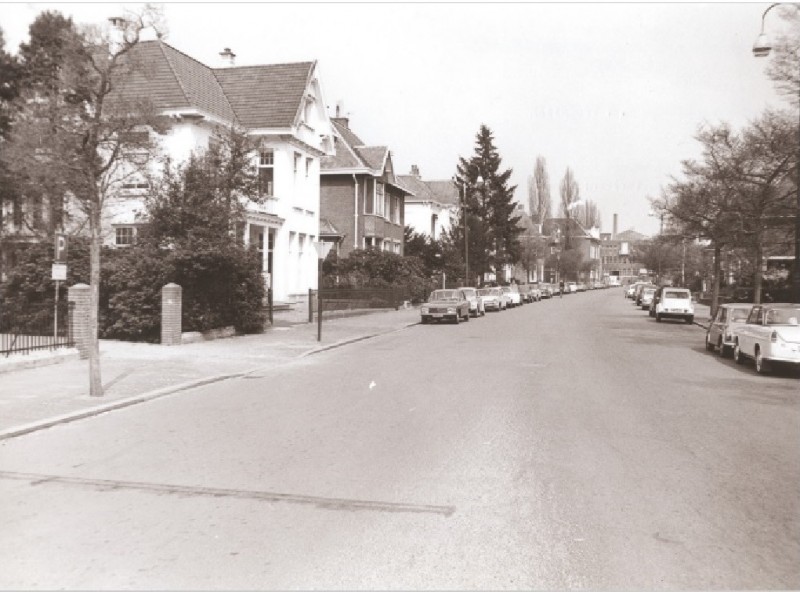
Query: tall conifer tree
{"x":490,"y":208}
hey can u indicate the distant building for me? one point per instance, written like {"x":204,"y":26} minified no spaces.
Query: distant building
{"x":617,"y":252}
{"x":431,"y":206}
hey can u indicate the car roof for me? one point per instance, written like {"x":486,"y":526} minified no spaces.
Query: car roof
{"x":737,"y":305}
{"x":780,"y":305}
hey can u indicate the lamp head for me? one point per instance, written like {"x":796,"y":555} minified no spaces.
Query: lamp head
{"x":762,"y":46}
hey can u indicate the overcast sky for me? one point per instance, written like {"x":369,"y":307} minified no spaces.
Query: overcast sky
{"x":614,"y":91}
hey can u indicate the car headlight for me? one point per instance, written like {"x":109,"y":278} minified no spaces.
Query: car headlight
{"x":424,"y":310}
{"x":451,"y":311}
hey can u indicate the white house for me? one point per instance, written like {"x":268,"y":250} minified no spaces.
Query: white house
{"x":279,"y":104}
{"x":432,"y":206}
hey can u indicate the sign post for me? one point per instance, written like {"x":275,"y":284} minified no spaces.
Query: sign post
{"x":59,"y":274}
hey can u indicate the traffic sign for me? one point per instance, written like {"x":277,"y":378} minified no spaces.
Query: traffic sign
{"x":59,"y":272}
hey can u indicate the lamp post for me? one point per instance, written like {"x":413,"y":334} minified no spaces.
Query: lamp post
{"x":322,"y":248}
{"x":761,"y":49}
{"x":463,"y":196}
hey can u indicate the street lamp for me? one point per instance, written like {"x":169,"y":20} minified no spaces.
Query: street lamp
{"x":463,"y":196}
{"x":761,"y":49}
{"x":322,"y":248}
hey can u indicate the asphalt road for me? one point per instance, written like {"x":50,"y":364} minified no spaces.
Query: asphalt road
{"x":573,"y":443}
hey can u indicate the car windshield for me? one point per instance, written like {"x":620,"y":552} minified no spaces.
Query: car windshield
{"x":680,"y":295}
{"x":649,"y":291}
{"x":469,"y":292}
{"x":783,"y":316}
{"x":485,"y":292}
{"x":444,"y":295}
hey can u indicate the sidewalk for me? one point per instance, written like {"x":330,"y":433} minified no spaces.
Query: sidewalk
{"x":36,"y":397}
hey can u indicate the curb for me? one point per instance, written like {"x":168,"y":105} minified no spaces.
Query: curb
{"x":25,"y":364}
{"x":169,"y":390}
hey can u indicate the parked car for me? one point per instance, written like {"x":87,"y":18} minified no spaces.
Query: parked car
{"x":638,"y":295}
{"x":570,"y":288}
{"x":581,"y":287}
{"x":475,"y":302}
{"x":719,"y":335}
{"x":631,"y":290}
{"x":445,"y":305}
{"x":526,"y":293}
{"x":547,"y":290}
{"x":647,"y":297}
{"x":536,"y":292}
{"x":493,"y":298}
{"x":770,"y":335}
{"x":675,"y":303}
{"x":514,"y":297}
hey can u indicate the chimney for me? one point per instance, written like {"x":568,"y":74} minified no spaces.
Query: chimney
{"x":228,"y":57}
{"x":340,"y":118}
{"x":116,"y":34}
{"x":614,"y":230}
{"x":415,"y":170}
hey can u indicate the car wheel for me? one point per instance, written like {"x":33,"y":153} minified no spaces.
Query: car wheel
{"x":709,"y":345}
{"x":689,"y":320}
{"x":466,"y":317}
{"x":651,"y":313}
{"x":722,"y":349}
{"x":737,"y":354}
{"x":762,"y":366}
{"x":658,"y":318}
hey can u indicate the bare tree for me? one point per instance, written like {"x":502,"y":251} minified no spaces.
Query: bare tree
{"x":588,"y":214}
{"x":783,"y":68}
{"x":79,"y":136}
{"x":539,"y":201}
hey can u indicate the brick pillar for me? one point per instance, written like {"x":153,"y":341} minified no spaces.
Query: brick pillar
{"x":79,"y":322}
{"x":171,"y":306}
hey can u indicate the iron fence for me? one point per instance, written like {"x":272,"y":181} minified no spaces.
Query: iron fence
{"x":31,"y":327}
{"x":350,"y":299}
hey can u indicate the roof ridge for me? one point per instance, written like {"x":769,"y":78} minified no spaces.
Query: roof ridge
{"x":161,"y":45}
{"x":263,"y":65}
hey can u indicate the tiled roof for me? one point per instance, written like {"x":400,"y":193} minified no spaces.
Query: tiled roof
{"x":346,"y":132}
{"x":373,"y":156}
{"x":417,"y":187}
{"x":446,"y":192}
{"x":266,"y":96}
{"x":199,"y":85}
{"x":343,"y":157}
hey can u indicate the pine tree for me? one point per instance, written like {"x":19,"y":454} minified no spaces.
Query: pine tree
{"x":493,"y":226}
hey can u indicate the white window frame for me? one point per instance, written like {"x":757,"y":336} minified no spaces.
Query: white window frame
{"x":117,"y":233}
{"x":266,"y":160}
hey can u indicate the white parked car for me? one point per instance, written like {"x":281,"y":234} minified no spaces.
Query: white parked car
{"x":476,"y":308}
{"x":675,"y":303}
{"x":770,"y":334}
{"x":513,"y":295}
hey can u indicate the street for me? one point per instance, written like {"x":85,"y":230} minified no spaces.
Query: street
{"x":570,"y":443}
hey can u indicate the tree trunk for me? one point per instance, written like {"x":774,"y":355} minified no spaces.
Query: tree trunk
{"x":95,"y":383}
{"x":757,"y":271}
{"x":715,"y":285}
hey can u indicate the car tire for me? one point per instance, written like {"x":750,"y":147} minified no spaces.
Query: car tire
{"x":762,"y":365}
{"x":689,"y":320}
{"x":425,"y":320}
{"x":658,"y":318}
{"x":709,"y":345}
{"x":466,"y":317}
{"x":722,"y":349}
{"x":738,"y":357}
{"x":651,"y":313}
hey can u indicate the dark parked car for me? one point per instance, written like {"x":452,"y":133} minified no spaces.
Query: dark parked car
{"x":445,"y":305}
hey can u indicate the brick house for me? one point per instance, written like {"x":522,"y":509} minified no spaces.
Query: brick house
{"x":361,"y":198}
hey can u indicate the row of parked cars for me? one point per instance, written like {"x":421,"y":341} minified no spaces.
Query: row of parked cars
{"x":662,"y":302}
{"x":767,"y":334}
{"x":459,"y":304}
